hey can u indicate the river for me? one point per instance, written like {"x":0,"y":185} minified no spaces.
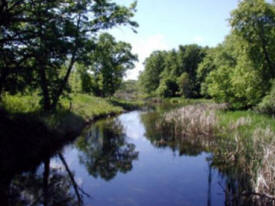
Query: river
{"x":126,"y":161}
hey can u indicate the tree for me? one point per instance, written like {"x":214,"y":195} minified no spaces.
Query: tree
{"x":254,"y":22}
{"x":149,"y":79}
{"x":163,"y":67}
{"x":46,"y":38}
{"x":183,"y":84}
{"x":168,"y":88}
{"x":109,"y":63}
{"x":189,"y":58}
{"x":239,"y":70}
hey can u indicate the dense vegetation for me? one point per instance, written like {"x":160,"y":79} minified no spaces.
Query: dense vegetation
{"x":42,"y":41}
{"x":238,"y":71}
{"x":102,"y":74}
{"x":173,"y":73}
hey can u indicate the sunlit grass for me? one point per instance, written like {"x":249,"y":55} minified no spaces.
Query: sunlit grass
{"x":254,"y":120}
{"x":89,"y":107}
{"x":20,"y":103}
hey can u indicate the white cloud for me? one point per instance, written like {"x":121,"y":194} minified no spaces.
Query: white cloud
{"x":143,"y":48}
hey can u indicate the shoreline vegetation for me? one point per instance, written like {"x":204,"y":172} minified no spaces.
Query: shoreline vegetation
{"x":242,"y":144}
{"x":71,"y":117}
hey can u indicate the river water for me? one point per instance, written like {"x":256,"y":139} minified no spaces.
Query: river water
{"x":127,"y":161}
{"x":118,"y":162}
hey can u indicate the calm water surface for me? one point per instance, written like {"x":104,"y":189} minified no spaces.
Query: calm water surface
{"x":123,"y":161}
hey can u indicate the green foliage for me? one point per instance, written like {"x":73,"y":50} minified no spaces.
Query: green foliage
{"x":239,"y":70}
{"x":168,"y":88}
{"x":90,"y":107}
{"x":183,"y":84}
{"x":20,"y":103}
{"x":126,"y":104}
{"x":149,"y":79}
{"x":108,"y":64}
{"x":165,"y":68}
{"x":129,"y":90}
{"x":254,"y":21}
{"x":41,"y":41}
{"x":267,"y":105}
{"x":232,"y":76}
{"x":255,"y":120}
{"x":189,"y":58}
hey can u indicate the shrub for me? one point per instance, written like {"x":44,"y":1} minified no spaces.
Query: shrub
{"x":168,"y":88}
{"x":267,"y":105}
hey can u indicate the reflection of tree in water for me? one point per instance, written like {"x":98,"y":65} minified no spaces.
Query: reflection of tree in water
{"x":105,"y":151}
{"x":45,"y":186}
{"x":27,"y":143}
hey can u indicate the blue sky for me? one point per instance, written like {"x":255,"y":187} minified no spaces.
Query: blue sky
{"x":166,"y":24}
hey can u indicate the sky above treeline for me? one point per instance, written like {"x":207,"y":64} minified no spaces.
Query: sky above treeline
{"x":166,"y":24}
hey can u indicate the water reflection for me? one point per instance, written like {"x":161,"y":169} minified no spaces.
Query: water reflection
{"x":237,"y":162}
{"x":45,"y":186}
{"x":104,"y":150}
{"x":163,"y":137}
{"x":50,"y":187}
{"x":26,"y":177}
{"x":148,"y":166}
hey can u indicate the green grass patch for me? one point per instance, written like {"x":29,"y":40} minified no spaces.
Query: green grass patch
{"x":22,"y":104}
{"x":85,"y":106}
{"x":185,"y":101}
{"x":89,"y":106}
{"x":254,"y":120}
{"x":127,"y":104}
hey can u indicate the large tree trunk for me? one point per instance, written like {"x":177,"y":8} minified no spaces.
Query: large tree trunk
{"x":45,"y":90}
{"x":69,"y":70}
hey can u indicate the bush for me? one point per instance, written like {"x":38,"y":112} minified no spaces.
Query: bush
{"x":267,"y":105}
{"x":168,"y":88}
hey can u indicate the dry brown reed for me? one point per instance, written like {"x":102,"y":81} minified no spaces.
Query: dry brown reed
{"x":264,"y":183}
{"x":192,"y":121}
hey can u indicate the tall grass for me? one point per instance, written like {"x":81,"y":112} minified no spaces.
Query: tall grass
{"x":192,"y":121}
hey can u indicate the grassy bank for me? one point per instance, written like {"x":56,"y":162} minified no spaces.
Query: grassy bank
{"x":72,"y":113}
{"x":39,"y":135}
{"x":83,"y":105}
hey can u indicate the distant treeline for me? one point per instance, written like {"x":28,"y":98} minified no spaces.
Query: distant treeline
{"x":239,"y":71}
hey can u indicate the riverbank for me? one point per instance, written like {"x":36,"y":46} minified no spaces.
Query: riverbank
{"x":86,"y":107}
{"x":243,"y":140}
{"x":40,"y":135}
